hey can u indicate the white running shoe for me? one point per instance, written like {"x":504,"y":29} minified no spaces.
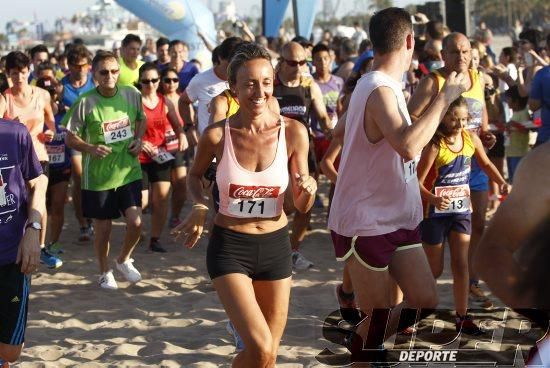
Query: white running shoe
{"x":129,"y":271}
{"x":299,"y":262}
{"x":107,"y":281}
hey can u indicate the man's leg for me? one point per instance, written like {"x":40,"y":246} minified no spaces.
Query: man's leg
{"x":410,"y":269}
{"x":101,"y":243}
{"x":133,"y":233}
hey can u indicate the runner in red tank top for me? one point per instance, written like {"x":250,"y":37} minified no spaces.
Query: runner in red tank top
{"x":156,"y":161}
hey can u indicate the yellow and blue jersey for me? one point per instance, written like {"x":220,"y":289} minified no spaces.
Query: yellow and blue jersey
{"x":450,"y":168}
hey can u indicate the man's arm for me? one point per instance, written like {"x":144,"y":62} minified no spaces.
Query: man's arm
{"x":319,"y":108}
{"x":185,"y":106}
{"x":535,"y":97}
{"x":29,"y":247}
{"x":383,"y":119}
{"x":423,"y":96}
{"x":517,"y":217}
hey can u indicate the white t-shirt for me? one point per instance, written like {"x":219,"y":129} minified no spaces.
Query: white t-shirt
{"x":202,"y":88}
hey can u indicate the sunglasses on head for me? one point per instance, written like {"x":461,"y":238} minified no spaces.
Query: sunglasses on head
{"x":105,"y":72}
{"x":295,"y":63}
{"x":149,"y":81}
{"x":168,"y":80}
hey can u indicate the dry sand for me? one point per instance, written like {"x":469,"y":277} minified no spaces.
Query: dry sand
{"x":172,"y":318}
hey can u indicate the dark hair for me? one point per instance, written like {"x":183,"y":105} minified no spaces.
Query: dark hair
{"x":215,"y":58}
{"x":37,"y":49}
{"x":228,"y":47}
{"x":245,"y":52}
{"x":531,"y":35}
{"x":388,"y":28}
{"x":100,"y":56}
{"x":76,"y":53}
{"x":435,"y":29}
{"x":49,"y":84}
{"x":130,"y":37}
{"x":511,"y":53}
{"x":513,"y":94}
{"x":45,"y":66}
{"x":364,"y":46}
{"x":162,"y":41}
{"x":348,"y":46}
{"x":440,"y":133}
{"x":177,"y":42}
{"x":17,"y":60}
{"x":146,"y":67}
{"x":319,"y":48}
{"x":4,"y":85}
{"x":78,"y":41}
{"x":163,"y":74}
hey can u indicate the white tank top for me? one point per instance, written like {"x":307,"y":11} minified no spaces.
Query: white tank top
{"x":377,"y":192}
{"x":249,"y":194}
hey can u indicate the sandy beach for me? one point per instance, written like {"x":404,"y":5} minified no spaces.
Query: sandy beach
{"x":172,"y":318}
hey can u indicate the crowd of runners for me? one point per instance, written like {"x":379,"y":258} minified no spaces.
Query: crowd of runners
{"x":420,"y":133}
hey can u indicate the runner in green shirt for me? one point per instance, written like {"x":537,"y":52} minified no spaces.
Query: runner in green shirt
{"x":106,"y":124}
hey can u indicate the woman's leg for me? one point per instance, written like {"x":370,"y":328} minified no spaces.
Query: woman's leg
{"x":179,"y":191}
{"x":435,"y":253}
{"x":459,"y":243}
{"x":258,"y":312}
{"x":159,"y":212}
{"x":57,"y":194}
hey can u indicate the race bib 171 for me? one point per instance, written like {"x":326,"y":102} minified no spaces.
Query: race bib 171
{"x":253,"y":201}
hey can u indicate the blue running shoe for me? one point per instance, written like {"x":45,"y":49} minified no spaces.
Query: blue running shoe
{"x":49,"y":260}
{"x":54,"y":248}
{"x":239,"y":343}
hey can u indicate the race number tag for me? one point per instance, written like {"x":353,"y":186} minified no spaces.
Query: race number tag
{"x":253,"y":201}
{"x":459,"y":195}
{"x":56,"y":154}
{"x":171,"y":141}
{"x":117,"y":130}
{"x":162,"y":157}
{"x":409,"y":168}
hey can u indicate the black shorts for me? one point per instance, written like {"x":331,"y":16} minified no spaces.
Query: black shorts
{"x":45,"y":168}
{"x":435,"y":230}
{"x":59,"y":176}
{"x":259,"y":256}
{"x":111,"y":204}
{"x":14,"y":300}
{"x":183,"y":159}
{"x":498,"y":149}
{"x":153,"y":173}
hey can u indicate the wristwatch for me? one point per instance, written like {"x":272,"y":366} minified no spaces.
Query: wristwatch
{"x":34,"y":225}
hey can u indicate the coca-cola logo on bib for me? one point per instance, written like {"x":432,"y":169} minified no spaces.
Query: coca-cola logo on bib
{"x":110,"y":126}
{"x":252,"y":191}
{"x":55,"y":149}
{"x":453,"y":191}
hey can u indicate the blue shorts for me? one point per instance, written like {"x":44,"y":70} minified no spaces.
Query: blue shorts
{"x":434,"y":230}
{"x":479,"y":181}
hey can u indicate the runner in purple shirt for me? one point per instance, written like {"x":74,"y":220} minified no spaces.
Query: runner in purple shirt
{"x":22,"y":204}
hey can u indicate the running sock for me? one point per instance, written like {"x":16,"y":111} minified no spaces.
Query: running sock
{"x":345,"y":295}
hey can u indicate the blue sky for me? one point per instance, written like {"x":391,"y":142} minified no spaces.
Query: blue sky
{"x":50,"y":9}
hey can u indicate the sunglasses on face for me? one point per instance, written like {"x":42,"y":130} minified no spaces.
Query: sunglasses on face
{"x":105,"y":72}
{"x":295,"y":63}
{"x":170,"y":80}
{"x":149,"y":81}
{"x":79,"y":66}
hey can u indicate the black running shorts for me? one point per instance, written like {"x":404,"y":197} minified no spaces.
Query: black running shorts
{"x":259,"y":256}
{"x":111,"y":204}
{"x":14,"y":300}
